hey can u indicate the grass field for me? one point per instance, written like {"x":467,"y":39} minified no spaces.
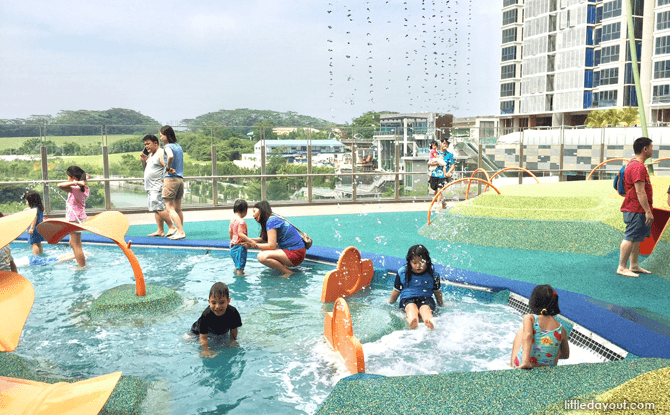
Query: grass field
{"x":113,"y":158}
{"x":82,"y":140}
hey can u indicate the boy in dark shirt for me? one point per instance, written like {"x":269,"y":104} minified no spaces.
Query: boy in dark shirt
{"x":219,"y":318}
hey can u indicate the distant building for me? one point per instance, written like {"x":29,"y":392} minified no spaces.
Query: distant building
{"x":324,"y":152}
{"x":476,"y":128}
{"x":288,"y":130}
{"x":561,"y":59}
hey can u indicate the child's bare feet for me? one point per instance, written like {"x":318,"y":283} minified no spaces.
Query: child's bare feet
{"x":414,"y":323}
{"x":429,"y":323}
{"x":626,"y":272}
{"x":286,"y":275}
{"x":640,"y":270}
{"x":239,"y":271}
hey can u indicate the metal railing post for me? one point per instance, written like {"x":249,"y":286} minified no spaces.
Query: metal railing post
{"x":602,"y":151}
{"x":263,"y":182}
{"x":397,"y":168}
{"x":480,"y":162}
{"x":45,"y":177}
{"x":309,"y":170}
{"x":215,"y":182}
{"x":521,"y":156}
{"x":353,"y":172}
{"x":105,"y":174}
{"x":562,"y":154}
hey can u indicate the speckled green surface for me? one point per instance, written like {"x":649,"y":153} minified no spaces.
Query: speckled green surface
{"x":126,"y":399}
{"x":495,"y":392}
{"x":123,"y":300}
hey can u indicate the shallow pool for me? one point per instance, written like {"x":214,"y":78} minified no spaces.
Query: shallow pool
{"x":282,"y":364}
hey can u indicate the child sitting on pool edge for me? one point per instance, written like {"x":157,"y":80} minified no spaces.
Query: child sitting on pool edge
{"x":415,"y":284}
{"x":219,"y":318}
{"x":542,"y":335}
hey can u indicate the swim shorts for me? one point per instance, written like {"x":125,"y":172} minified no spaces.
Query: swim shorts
{"x":239,"y":255}
{"x":636,"y":230}
{"x":419,"y":301}
{"x":155,"y":201}
{"x":296,"y":257}
{"x":173,"y":188}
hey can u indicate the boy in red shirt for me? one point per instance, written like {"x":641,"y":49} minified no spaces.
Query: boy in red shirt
{"x":636,"y":208}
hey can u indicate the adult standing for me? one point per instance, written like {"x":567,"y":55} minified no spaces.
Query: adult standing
{"x":636,"y":208}
{"x":444,"y":168}
{"x":154,"y":174}
{"x":173,"y":184}
{"x":280,"y":243}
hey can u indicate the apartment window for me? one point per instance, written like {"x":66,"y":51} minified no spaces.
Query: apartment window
{"x":590,"y":15}
{"x":609,"y":54}
{"x":549,"y":103}
{"x":609,"y":76}
{"x":628,"y":74}
{"x":662,"y":2}
{"x":589,"y":36}
{"x":662,"y":45}
{"x":551,"y":43}
{"x":553,"y":5}
{"x":599,"y":14}
{"x":661,"y":94}
{"x":507,"y":107}
{"x":598,"y":36}
{"x":596,"y":79}
{"x":663,"y":21}
{"x":596,"y":57}
{"x":629,"y":96}
{"x":612,"y":9}
{"x":589,"y":57}
{"x":638,"y":49}
{"x":611,"y":31}
{"x":509,"y":17}
{"x":508,"y":71}
{"x":552,"y":22}
{"x":638,"y":7}
{"x":509,"y":35}
{"x":550,"y":63}
{"x":508,"y":53}
{"x":661,"y":69}
{"x":588,"y":99}
{"x":588,"y":79}
{"x":607,"y":98}
{"x":550,"y":82}
{"x":509,"y":2}
{"x":507,"y":90}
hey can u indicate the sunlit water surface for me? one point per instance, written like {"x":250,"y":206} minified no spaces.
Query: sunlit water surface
{"x":282,"y":363}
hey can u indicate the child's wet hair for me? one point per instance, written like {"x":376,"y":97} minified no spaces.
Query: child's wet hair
{"x":544,"y":301}
{"x":240,"y":206}
{"x":422,"y":252}
{"x":219,"y":290}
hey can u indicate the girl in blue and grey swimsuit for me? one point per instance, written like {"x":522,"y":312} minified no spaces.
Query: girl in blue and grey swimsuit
{"x":542,"y":340}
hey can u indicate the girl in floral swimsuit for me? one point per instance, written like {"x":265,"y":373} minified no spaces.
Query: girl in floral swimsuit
{"x":542,"y":335}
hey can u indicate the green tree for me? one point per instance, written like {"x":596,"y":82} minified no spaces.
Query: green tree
{"x":629,"y":116}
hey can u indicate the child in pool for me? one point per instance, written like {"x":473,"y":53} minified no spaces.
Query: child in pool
{"x":237,"y":231}
{"x":219,"y":318}
{"x":6,"y":258}
{"x":416,"y":284}
{"x":34,"y":200}
{"x":542,"y":335}
{"x":75,"y":206}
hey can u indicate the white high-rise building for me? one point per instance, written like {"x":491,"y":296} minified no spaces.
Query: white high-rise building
{"x":562,"y":59}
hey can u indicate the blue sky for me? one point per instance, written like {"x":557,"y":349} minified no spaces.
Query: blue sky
{"x":173,"y":60}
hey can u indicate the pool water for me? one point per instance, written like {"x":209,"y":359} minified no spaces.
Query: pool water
{"x":282,"y":364}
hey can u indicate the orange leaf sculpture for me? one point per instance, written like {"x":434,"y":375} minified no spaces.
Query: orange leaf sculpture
{"x":110,"y":224}
{"x":350,"y":276}
{"x":20,"y":396}
{"x":339,"y":332}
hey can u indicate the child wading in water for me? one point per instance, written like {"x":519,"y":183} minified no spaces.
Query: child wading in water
{"x":237,"y":232}
{"x":34,"y":200}
{"x":542,"y":335}
{"x":75,"y":206}
{"x":415,"y":284}
{"x":219,"y":318}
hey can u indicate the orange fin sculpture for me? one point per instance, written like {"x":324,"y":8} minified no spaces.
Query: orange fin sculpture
{"x":110,"y":224}
{"x":16,"y":292}
{"x":20,"y":396}
{"x":349,"y":277}
{"x":339,"y":332}
{"x":658,"y":226}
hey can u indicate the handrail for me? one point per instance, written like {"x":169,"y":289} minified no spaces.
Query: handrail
{"x":439,"y":193}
